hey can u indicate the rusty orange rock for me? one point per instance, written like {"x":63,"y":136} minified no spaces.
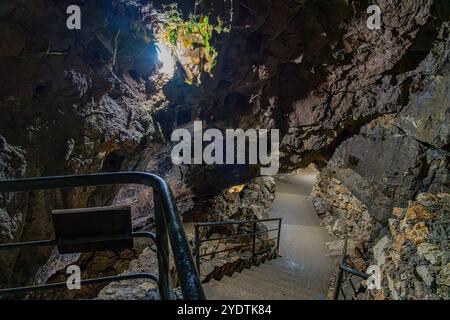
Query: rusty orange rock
{"x":418,"y":212}
{"x":418,"y":233}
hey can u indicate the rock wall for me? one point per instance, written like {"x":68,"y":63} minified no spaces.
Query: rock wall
{"x":71,"y":102}
{"x":414,"y":255}
{"x":315,"y":71}
{"x":343,"y":215}
{"x":249,"y":201}
{"x":411,"y":250}
{"x":390,"y":162}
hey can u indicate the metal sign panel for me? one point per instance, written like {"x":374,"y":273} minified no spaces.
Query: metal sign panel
{"x":93,"y":229}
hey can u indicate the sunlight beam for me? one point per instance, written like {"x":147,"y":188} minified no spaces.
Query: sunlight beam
{"x":166,"y":59}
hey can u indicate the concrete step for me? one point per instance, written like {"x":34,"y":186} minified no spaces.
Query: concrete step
{"x":307,"y":280}
{"x":269,"y":281}
{"x":246,"y":286}
{"x":218,"y":290}
{"x":304,"y":268}
{"x":227,"y":290}
{"x":271,"y":289}
{"x":214,"y":291}
{"x":275,"y":280}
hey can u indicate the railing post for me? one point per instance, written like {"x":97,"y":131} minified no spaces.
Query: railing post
{"x":279,"y":234}
{"x":197,"y":249}
{"x":338,"y":284}
{"x":162,"y":243}
{"x":254,"y":242}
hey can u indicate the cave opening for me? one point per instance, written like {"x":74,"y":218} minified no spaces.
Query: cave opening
{"x":166,"y":59}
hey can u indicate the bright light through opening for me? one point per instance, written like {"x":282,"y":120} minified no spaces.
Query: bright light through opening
{"x":166,"y":59}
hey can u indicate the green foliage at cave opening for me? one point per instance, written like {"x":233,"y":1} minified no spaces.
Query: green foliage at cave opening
{"x":190,"y":41}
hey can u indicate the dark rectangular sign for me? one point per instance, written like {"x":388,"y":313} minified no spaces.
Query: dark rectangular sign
{"x":93,"y":229}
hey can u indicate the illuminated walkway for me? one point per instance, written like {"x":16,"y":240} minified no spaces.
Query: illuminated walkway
{"x":304,"y":271}
{"x":303,"y":241}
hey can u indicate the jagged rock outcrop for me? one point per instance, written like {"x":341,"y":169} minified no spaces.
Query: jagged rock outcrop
{"x":395,"y":157}
{"x":384,"y":167}
{"x":249,"y":201}
{"x":414,"y":255}
{"x":344,"y":215}
{"x":389,"y":162}
{"x":411,"y":251}
{"x":134,"y":289}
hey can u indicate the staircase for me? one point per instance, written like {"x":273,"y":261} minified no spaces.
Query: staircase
{"x":303,"y":273}
{"x":305,"y":270}
{"x":272,"y":280}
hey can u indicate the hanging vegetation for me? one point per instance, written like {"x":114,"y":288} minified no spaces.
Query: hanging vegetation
{"x":190,"y":42}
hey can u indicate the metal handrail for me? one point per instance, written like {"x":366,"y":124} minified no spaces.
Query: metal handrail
{"x":253,"y":234}
{"x":98,"y":280}
{"x":223,"y":223}
{"x":167,"y":222}
{"x":239,"y":247}
{"x":344,"y":268}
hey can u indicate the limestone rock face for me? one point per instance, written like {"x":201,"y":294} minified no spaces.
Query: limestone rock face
{"x":388,"y":163}
{"x":395,"y":157}
{"x":248,"y":201}
{"x":134,"y":289}
{"x":384,"y":167}
{"x":344,"y":215}
{"x":416,"y":267}
{"x":412,"y":250}
{"x":341,"y":211}
{"x":425,"y":118}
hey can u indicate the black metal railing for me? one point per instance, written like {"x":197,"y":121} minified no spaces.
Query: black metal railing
{"x":342,"y":269}
{"x":168,"y":227}
{"x":255,"y":232}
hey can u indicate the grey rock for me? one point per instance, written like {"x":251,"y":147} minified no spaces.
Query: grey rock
{"x":425,"y":274}
{"x":384,"y":167}
{"x":430,"y":252}
{"x":378,"y":250}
